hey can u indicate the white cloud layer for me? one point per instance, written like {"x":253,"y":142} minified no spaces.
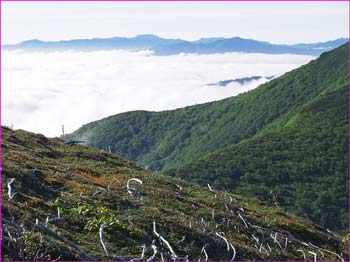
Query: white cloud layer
{"x":42,"y":91}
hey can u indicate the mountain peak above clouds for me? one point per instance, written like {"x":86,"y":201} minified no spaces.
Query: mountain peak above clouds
{"x":164,"y":46}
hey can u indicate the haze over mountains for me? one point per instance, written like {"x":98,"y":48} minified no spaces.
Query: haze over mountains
{"x":241,"y":81}
{"x":80,"y":87}
{"x":162,"y":46}
{"x":221,"y":136}
{"x":283,"y":141}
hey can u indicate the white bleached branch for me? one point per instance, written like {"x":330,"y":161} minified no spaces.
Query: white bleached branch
{"x":228,"y":245}
{"x":314,"y":254}
{"x":179,"y":187}
{"x":256,"y":239}
{"x":274,"y":237}
{"x":245,"y":223}
{"x":226,"y":207}
{"x":9,"y":186}
{"x":261,"y":248}
{"x":132,"y":191}
{"x":234,"y":252}
{"x":144,"y":248}
{"x":163,"y":239}
{"x":269,"y":247}
{"x":48,"y":220}
{"x":210,"y":188}
{"x":68,"y":242}
{"x":326,"y":250}
{"x":173,"y":254}
{"x":302,"y":251}
{"x":225,"y":239}
{"x":155,"y":251}
{"x":305,"y":244}
{"x":101,"y":189}
{"x":286,"y":243}
{"x":101,"y":237}
{"x":205,"y":252}
{"x":181,"y":240}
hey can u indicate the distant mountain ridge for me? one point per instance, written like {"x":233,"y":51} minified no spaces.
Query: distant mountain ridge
{"x":323,"y":45}
{"x":131,"y":44}
{"x":163,"y":46}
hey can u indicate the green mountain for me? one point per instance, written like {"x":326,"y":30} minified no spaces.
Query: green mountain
{"x":59,"y":201}
{"x":300,"y":162}
{"x":285,"y":141}
{"x":160,"y":140}
{"x":300,"y":166}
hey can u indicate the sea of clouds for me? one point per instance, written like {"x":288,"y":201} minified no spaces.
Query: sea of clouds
{"x":42,"y":91}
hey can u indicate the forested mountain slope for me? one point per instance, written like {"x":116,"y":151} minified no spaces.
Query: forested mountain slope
{"x":285,"y":142}
{"x":59,"y":201}
{"x":301,"y":166}
{"x":167,"y":139}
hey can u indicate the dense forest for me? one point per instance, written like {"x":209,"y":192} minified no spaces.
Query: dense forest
{"x":285,"y":141}
{"x":301,"y":166}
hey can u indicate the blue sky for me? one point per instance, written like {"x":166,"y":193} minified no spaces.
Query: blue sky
{"x":281,"y":22}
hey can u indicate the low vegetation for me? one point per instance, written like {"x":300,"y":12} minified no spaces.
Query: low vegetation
{"x":65,"y":201}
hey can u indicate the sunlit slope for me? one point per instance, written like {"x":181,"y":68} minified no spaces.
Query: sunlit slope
{"x":161,"y":140}
{"x":301,"y":165}
{"x":88,"y":186}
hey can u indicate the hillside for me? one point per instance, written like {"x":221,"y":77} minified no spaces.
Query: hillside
{"x":167,"y":139}
{"x":76,"y":189}
{"x":299,"y":162}
{"x":298,"y":126}
{"x":300,"y":166}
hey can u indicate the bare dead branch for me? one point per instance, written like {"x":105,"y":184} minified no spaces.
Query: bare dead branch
{"x":101,"y":189}
{"x":203,"y":251}
{"x":144,"y":248}
{"x":314,"y":254}
{"x":274,"y":237}
{"x":173,"y":254}
{"x":68,"y":242}
{"x":245,"y":223}
{"x":326,"y":250}
{"x":101,"y":237}
{"x":155,"y":251}
{"x":132,"y":191}
{"x":9,"y":186}
{"x":228,"y":245}
{"x":48,"y":220}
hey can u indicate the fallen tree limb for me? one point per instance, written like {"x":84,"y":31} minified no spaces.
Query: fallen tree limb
{"x":68,"y":242}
